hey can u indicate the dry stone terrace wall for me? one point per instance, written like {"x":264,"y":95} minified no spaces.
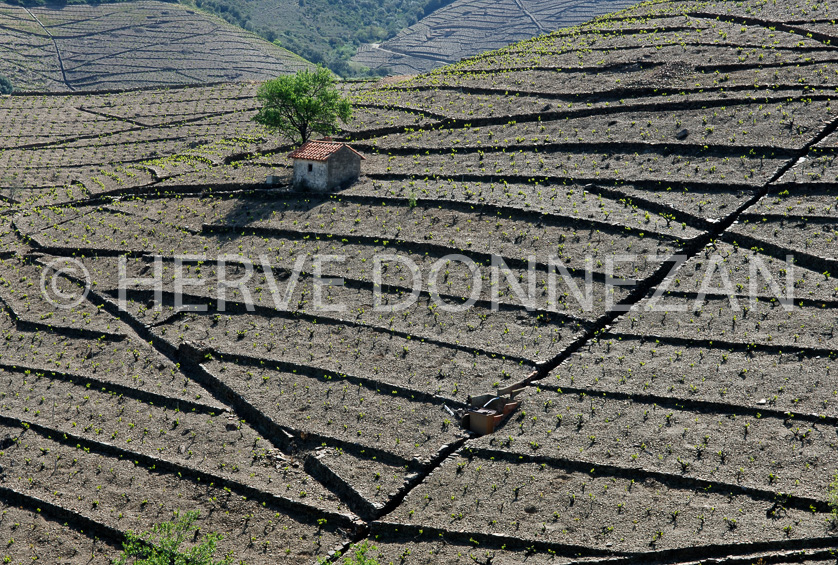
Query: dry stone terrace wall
{"x":140,"y":44}
{"x":688,"y":414}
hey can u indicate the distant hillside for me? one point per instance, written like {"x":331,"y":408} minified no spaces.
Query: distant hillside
{"x":468,"y":27}
{"x":351,"y":37}
{"x":323,"y":31}
{"x":129,"y":45}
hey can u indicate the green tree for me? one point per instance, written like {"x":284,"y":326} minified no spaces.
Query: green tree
{"x":161,"y":546}
{"x":5,"y":85}
{"x":298,"y":105}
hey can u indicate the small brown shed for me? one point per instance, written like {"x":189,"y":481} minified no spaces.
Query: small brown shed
{"x":323,"y":164}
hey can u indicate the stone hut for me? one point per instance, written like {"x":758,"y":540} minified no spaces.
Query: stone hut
{"x":323,"y":165}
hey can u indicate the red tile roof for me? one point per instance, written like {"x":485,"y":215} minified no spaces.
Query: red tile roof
{"x":319,"y":150}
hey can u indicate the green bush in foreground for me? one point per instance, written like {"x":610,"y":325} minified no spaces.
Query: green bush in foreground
{"x":6,"y":85}
{"x":161,"y":546}
{"x":358,"y":555}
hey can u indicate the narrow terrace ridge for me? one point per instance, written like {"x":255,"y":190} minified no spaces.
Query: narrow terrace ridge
{"x":485,"y":206}
{"x":696,"y":405}
{"x":138,"y":127}
{"x":586,"y":148}
{"x":670,"y":480}
{"x":773,"y":300}
{"x":631,"y":48}
{"x":29,"y":325}
{"x":361,"y":284}
{"x":772,"y":249}
{"x":767,"y":96}
{"x":826,"y":39}
{"x":482,"y":206}
{"x":801,"y":350}
{"x":510,"y":213}
{"x":585,"y":555}
{"x":650,"y":185}
{"x":479,"y":257}
{"x":766,"y":91}
{"x":75,"y":520}
{"x":240,"y":308}
{"x":722,"y":68}
{"x":112,"y":388}
{"x":316,"y":372}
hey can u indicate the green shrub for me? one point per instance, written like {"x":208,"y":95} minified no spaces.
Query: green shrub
{"x":161,"y":546}
{"x":358,"y":555}
{"x":6,"y":85}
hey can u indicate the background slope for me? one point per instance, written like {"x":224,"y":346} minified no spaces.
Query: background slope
{"x":469,"y":27}
{"x":130,"y":45}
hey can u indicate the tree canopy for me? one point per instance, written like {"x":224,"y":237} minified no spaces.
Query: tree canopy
{"x":301,"y":104}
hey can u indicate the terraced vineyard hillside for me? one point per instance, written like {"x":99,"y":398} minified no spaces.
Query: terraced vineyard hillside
{"x":466,"y":28}
{"x":130,"y":45}
{"x":668,"y":173}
